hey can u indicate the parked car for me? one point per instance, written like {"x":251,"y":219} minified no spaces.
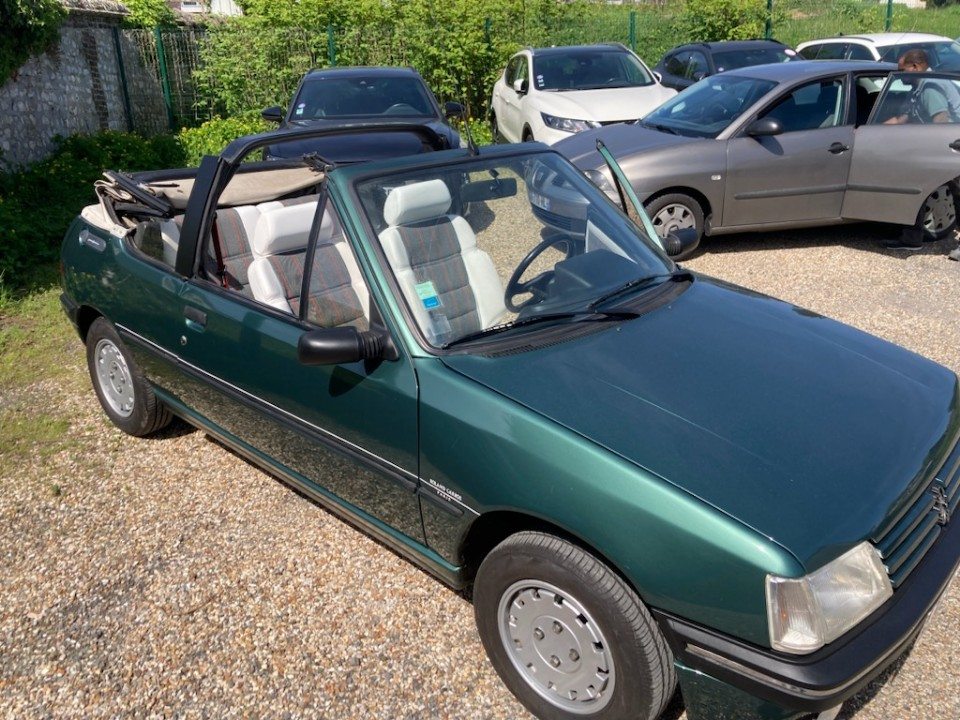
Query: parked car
{"x":943,"y":52}
{"x":547,"y":94}
{"x":334,"y":96}
{"x":644,"y":475}
{"x":684,"y":65}
{"x":788,"y":145}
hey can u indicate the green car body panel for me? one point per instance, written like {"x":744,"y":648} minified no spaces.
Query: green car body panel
{"x":689,"y":447}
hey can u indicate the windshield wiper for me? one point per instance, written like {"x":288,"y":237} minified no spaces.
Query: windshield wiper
{"x":583,"y":315}
{"x":661,"y":128}
{"x":636,"y":283}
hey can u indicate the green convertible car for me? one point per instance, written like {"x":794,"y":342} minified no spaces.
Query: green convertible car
{"x":642,"y":476}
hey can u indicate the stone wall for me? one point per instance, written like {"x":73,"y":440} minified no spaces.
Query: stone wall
{"x":75,"y":87}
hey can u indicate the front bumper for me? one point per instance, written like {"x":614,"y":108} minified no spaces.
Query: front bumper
{"x":824,"y":679}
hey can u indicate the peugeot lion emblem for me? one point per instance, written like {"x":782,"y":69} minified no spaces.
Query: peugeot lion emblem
{"x":941,"y":505}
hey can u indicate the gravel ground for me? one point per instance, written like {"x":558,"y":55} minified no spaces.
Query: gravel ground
{"x":168,"y":577}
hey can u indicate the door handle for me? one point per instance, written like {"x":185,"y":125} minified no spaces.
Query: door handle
{"x":838,"y":148}
{"x":955,"y":145}
{"x":196,"y":319}
{"x":92,"y":241}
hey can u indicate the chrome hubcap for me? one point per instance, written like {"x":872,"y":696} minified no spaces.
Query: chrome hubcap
{"x":939,"y":211}
{"x":556,"y":646}
{"x":672,"y":217}
{"x":113,"y":377}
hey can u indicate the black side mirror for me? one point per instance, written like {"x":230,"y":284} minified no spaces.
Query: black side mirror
{"x":453,"y":111}
{"x":764,"y":127}
{"x":274,"y":113}
{"x":336,"y":346}
{"x":681,"y":242}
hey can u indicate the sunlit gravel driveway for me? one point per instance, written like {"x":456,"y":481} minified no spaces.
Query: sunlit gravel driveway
{"x":169,"y":578}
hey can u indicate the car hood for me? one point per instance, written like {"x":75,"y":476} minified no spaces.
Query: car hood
{"x":807,"y":430}
{"x":612,"y":105}
{"x":621,"y":140}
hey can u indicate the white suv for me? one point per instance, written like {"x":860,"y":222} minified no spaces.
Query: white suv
{"x":943,"y":52}
{"x":547,"y":94}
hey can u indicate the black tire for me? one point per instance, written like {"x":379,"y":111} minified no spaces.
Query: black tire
{"x":526,"y":574}
{"x":676,"y":210}
{"x":124,"y":394}
{"x":937,"y":218}
{"x":496,"y":138}
{"x":527,"y":135}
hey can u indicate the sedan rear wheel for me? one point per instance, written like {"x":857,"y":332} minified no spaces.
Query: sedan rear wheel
{"x":938,"y":216}
{"x":568,"y":636}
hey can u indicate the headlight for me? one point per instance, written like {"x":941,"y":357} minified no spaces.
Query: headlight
{"x":804,"y":614}
{"x":567,"y":124}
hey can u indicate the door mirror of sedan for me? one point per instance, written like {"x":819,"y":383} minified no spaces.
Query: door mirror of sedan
{"x":336,"y":346}
{"x":680,"y":241}
{"x":453,"y":111}
{"x":274,"y":113}
{"x":658,"y":76}
{"x":764,"y":127}
{"x":521,"y":86}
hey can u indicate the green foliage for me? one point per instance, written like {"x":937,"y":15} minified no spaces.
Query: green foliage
{"x":712,"y":20}
{"x":29,"y":27}
{"x":38,"y":203}
{"x":148,"y":13}
{"x":214,"y":135}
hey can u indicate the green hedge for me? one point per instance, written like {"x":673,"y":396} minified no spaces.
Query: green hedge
{"x":28,"y":27}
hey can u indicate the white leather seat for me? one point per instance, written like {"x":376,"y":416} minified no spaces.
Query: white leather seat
{"x":450,"y":284}
{"x":337,"y":290}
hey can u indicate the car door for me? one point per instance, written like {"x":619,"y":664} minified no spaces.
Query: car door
{"x":511,"y":124}
{"x":799,"y":174}
{"x":897,"y":165}
{"x":347,"y":430}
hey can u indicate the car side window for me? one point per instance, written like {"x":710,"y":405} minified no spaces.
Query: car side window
{"x":815,"y":105}
{"x":677,"y":63}
{"x":832,"y":51}
{"x":859,"y":52}
{"x":511,"y":72}
{"x":810,"y":52}
{"x":916,"y":99}
{"x":697,"y":67}
{"x":522,"y":69}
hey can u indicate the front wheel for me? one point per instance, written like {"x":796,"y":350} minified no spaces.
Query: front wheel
{"x":677,"y":211}
{"x":123,"y":392}
{"x":567,"y":635}
{"x":938,"y":216}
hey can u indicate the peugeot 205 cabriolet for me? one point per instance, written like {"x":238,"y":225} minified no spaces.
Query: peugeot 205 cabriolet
{"x":640,"y":475}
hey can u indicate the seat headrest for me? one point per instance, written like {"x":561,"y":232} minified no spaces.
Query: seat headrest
{"x":419,"y":201}
{"x":286,"y":229}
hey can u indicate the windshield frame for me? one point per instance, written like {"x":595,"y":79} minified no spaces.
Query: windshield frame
{"x":367,"y":243}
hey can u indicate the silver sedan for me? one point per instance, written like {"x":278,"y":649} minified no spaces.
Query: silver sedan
{"x":791,"y":145}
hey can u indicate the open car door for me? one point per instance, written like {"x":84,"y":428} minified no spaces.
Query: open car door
{"x":907,"y":156}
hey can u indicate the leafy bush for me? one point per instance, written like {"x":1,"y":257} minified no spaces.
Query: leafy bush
{"x":148,"y":13}
{"x":214,"y":135}
{"x":29,"y":27}
{"x":38,"y":203}
{"x":712,"y":20}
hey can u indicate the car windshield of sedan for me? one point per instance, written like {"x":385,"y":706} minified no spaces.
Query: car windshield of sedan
{"x":361,"y":96}
{"x":733,"y":59}
{"x":488,"y":246}
{"x":706,"y":108}
{"x":589,"y":70}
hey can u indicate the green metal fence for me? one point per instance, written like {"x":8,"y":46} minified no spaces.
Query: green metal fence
{"x":190,"y":75}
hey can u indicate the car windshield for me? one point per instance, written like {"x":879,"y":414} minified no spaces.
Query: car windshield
{"x":489,"y":247}
{"x":943,"y":55}
{"x":589,"y":69}
{"x":362,"y":96}
{"x":733,"y":59}
{"x":706,"y":108}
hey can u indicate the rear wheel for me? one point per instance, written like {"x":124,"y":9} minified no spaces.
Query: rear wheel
{"x":567,"y":635}
{"x":938,"y":216}
{"x":123,"y":392}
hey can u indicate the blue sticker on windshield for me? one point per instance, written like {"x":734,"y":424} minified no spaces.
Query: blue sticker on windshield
{"x":427,"y":294}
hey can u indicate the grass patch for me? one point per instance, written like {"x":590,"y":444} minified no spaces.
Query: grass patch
{"x":25,"y":435}
{"x":34,"y":334}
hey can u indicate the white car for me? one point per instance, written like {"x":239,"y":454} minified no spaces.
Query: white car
{"x":548,"y":94}
{"x":942,"y":52}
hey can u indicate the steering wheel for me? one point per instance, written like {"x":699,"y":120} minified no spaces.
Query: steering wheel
{"x":537,"y":287}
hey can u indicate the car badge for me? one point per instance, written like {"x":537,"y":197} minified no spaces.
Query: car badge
{"x":941,"y":504}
